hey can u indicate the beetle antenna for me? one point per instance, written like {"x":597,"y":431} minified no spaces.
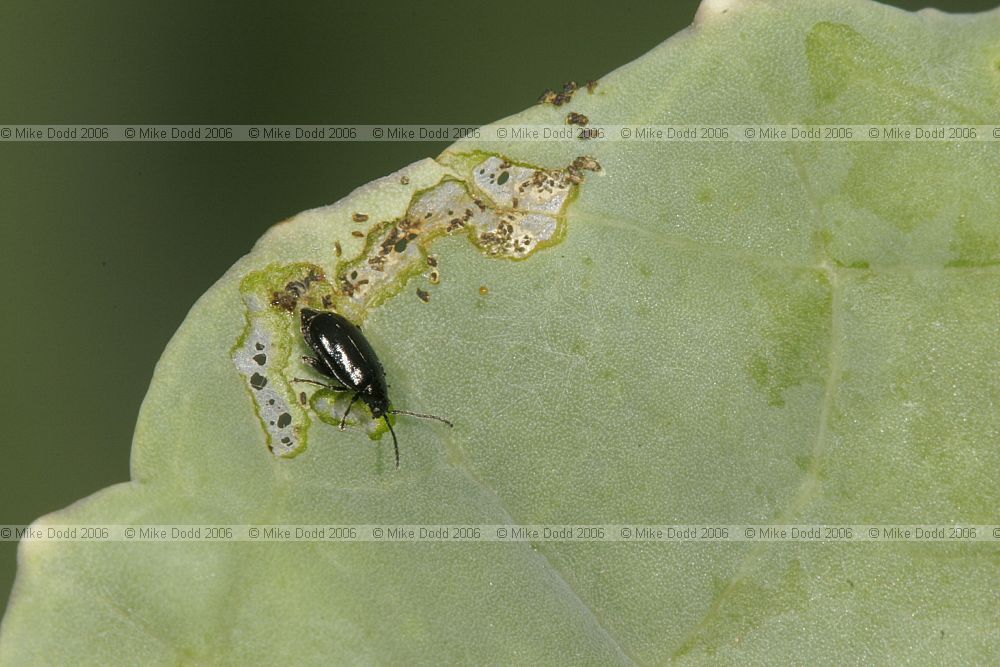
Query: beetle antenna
{"x":343,"y":421}
{"x":419,"y":414}
{"x":395,"y":443}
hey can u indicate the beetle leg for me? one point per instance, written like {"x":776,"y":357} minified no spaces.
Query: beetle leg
{"x":317,"y":365}
{"x":331,"y":387}
{"x":343,"y":422}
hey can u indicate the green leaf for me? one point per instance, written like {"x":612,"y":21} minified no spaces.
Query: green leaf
{"x":696,"y":333}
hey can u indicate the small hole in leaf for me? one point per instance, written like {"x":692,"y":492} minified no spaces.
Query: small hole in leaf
{"x":503,"y":178}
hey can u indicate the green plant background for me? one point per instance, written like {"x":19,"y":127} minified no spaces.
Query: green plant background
{"x":106,"y":246}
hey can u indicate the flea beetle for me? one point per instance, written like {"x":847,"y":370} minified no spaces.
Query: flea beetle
{"x":346,"y":357}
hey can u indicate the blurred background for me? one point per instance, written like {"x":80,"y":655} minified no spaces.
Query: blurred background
{"x":105,"y":246}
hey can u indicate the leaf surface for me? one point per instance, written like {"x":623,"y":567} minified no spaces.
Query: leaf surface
{"x":703,"y":332}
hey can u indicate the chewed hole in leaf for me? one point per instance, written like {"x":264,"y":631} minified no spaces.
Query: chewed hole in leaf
{"x":506,"y":210}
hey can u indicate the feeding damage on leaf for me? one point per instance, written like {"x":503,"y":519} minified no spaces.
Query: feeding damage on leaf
{"x":263,"y":351}
{"x":505,"y":209}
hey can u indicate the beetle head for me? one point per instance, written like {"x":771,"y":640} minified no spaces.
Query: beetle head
{"x":379,"y":405}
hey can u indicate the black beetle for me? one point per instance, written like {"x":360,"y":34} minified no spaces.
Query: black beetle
{"x":344,"y":355}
